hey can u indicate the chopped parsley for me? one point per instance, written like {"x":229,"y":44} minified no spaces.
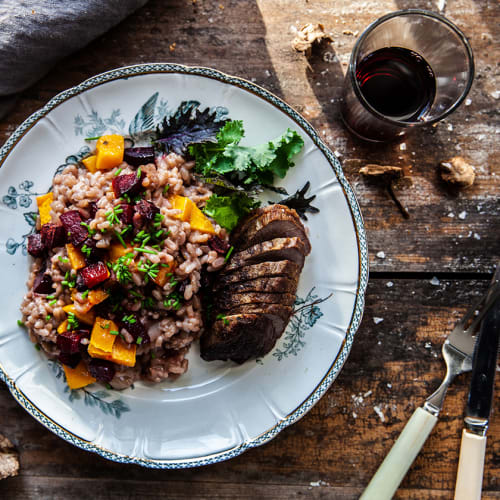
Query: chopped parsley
{"x":228,"y":254}
{"x":86,"y":250}
{"x":114,"y":332}
{"x":223,"y":318}
{"x":121,"y":268}
{"x":69,"y":280}
{"x":117,"y":173}
{"x":112,"y":215}
{"x":149,"y":269}
{"x":139,"y":341}
{"x":129,"y":319}
{"x":63,"y":260}
{"x":85,"y":294}
{"x":20,"y":323}
{"x":73,"y":322}
{"x":166,"y":188}
{"x":90,"y":231}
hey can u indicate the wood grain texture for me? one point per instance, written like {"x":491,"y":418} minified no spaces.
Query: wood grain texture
{"x":334,"y":450}
{"x":337,"y":447}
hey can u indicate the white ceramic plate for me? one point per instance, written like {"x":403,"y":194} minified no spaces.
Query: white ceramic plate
{"x":216,"y":410}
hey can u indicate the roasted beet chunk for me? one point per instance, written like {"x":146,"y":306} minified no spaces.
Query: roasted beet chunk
{"x":90,"y":250}
{"x":130,"y":184}
{"x":134,"y":326}
{"x":80,"y":283}
{"x":127,"y":214}
{"x":42,"y":283}
{"x":35,"y":245}
{"x":146,"y":209}
{"x":139,"y":156}
{"x":92,"y":209}
{"x":72,"y":222}
{"x":94,"y":274}
{"x":69,"y":342}
{"x":218,"y":244}
{"x":53,"y":235}
{"x":102,"y":370}
{"x":71,"y":360}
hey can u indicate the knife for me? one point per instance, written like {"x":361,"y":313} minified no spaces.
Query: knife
{"x":473,"y":446}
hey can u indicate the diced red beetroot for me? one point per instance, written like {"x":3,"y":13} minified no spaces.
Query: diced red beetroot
{"x":139,"y":156}
{"x":71,"y":220}
{"x":127,"y":214}
{"x":94,"y":274}
{"x":42,"y":283}
{"x":80,"y":283}
{"x":53,"y":235}
{"x":135,"y":327}
{"x":71,"y":360}
{"x":92,"y":209}
{"x":146,"y":209}
{"x":35,"y":245}
{"x":102,"y":370}
{"x":130,"y":184}
{"x":91,"y":252}
{"x":218,"y":244}
{"x":69,"y":342}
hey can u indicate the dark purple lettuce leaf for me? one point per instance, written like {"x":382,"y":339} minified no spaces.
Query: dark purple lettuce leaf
{"x":188,"y":126}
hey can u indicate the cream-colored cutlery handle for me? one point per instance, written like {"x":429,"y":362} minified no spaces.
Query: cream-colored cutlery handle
{"x":389,"y":475}
{"x":470,"y":467}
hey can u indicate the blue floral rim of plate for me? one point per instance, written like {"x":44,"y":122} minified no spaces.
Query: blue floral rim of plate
{"x":322,"y":387}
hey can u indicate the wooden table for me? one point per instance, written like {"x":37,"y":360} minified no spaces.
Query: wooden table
{"x":394,"y":364}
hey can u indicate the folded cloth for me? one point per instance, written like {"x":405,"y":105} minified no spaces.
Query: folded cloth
{"x":35,"y":34}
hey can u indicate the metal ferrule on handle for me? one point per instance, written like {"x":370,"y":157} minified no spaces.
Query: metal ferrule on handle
{"x":389,"y":475}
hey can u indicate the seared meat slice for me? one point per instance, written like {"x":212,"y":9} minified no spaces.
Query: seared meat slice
{"x":285,"y":268}
{"x":258,"y":212}
{"x":283,"y":312}
{"x":228,"y":300}
{"x":277,"y":249}
{"x":238,"y":337}
{"x":277,"y":221}
{"x":277,"y":284}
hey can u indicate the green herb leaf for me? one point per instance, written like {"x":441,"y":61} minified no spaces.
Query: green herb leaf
{"x":227,"y":210}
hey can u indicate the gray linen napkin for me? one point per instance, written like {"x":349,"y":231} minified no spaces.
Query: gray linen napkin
{"x":35,"y":34}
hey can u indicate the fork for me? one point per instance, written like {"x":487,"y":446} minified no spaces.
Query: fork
{"x":457,"y":353}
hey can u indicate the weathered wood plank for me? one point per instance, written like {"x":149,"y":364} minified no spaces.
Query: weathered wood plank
{"x":393,"y":366}
{"x":252,"y":40}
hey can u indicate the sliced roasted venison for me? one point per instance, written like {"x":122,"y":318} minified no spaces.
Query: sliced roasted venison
{"x":279,"y":310}
{"x":228,"y":300}
{"x":285,"y":268}
{"x":276,"y":222}
{"x":277,"y":284}
{"x":276,"y":249}
{"x":238,"y":338}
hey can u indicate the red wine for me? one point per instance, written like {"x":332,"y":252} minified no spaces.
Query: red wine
{"x":397,"y":82}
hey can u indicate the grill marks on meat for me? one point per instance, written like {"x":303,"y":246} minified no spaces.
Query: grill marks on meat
{"x":254,"y":294}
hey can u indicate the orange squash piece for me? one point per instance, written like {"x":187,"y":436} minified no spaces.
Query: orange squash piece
{"x":90,"y":163}
{"x":78,"y":377}
{"x":63,"y":327}
{"x":123,"y":353}
{"x":44,"y":202}
{"x":200,"y":222}
{"x":76,"y":258}
{"x":116,"y":250}
{"x":162,"y":278}
{"x":87,"y":317}
{"x":93,"y":298}
{"x":101,"y":338}
{"x":182,"y":203}
{"x":109,"y":151}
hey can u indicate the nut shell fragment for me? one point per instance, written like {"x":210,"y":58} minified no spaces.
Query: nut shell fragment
{"x":458,"y":172}
{"x":309,"y":35}
{"x":9,"y":458}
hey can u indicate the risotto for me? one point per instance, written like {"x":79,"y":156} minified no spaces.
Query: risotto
{"x":114,"y":291}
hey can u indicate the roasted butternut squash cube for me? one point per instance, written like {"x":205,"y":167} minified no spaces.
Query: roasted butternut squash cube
{"x":200,"y":222}
{"x":87,"y":317}
{"x":162,"y":278}
{"x":78,"y":377}
{"x":95,"y":352}
{"x":63,"y":327}
{"x":76,"y":258}
{"x":90,"y":162}
{"x":117,"y":250}
{"x":182,"y":203}
{"x":44,"y":202}
{"x":101,"y":336}
{"x":109,"y":151}
{"x":123,"y":353}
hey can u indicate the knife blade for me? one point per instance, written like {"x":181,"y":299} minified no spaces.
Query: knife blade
{"x":473,"y":445}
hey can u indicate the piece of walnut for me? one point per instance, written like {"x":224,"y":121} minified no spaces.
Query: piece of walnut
{"x":309,"y":35}
{"x":9,"y":458}
{"x":458,"y":172}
